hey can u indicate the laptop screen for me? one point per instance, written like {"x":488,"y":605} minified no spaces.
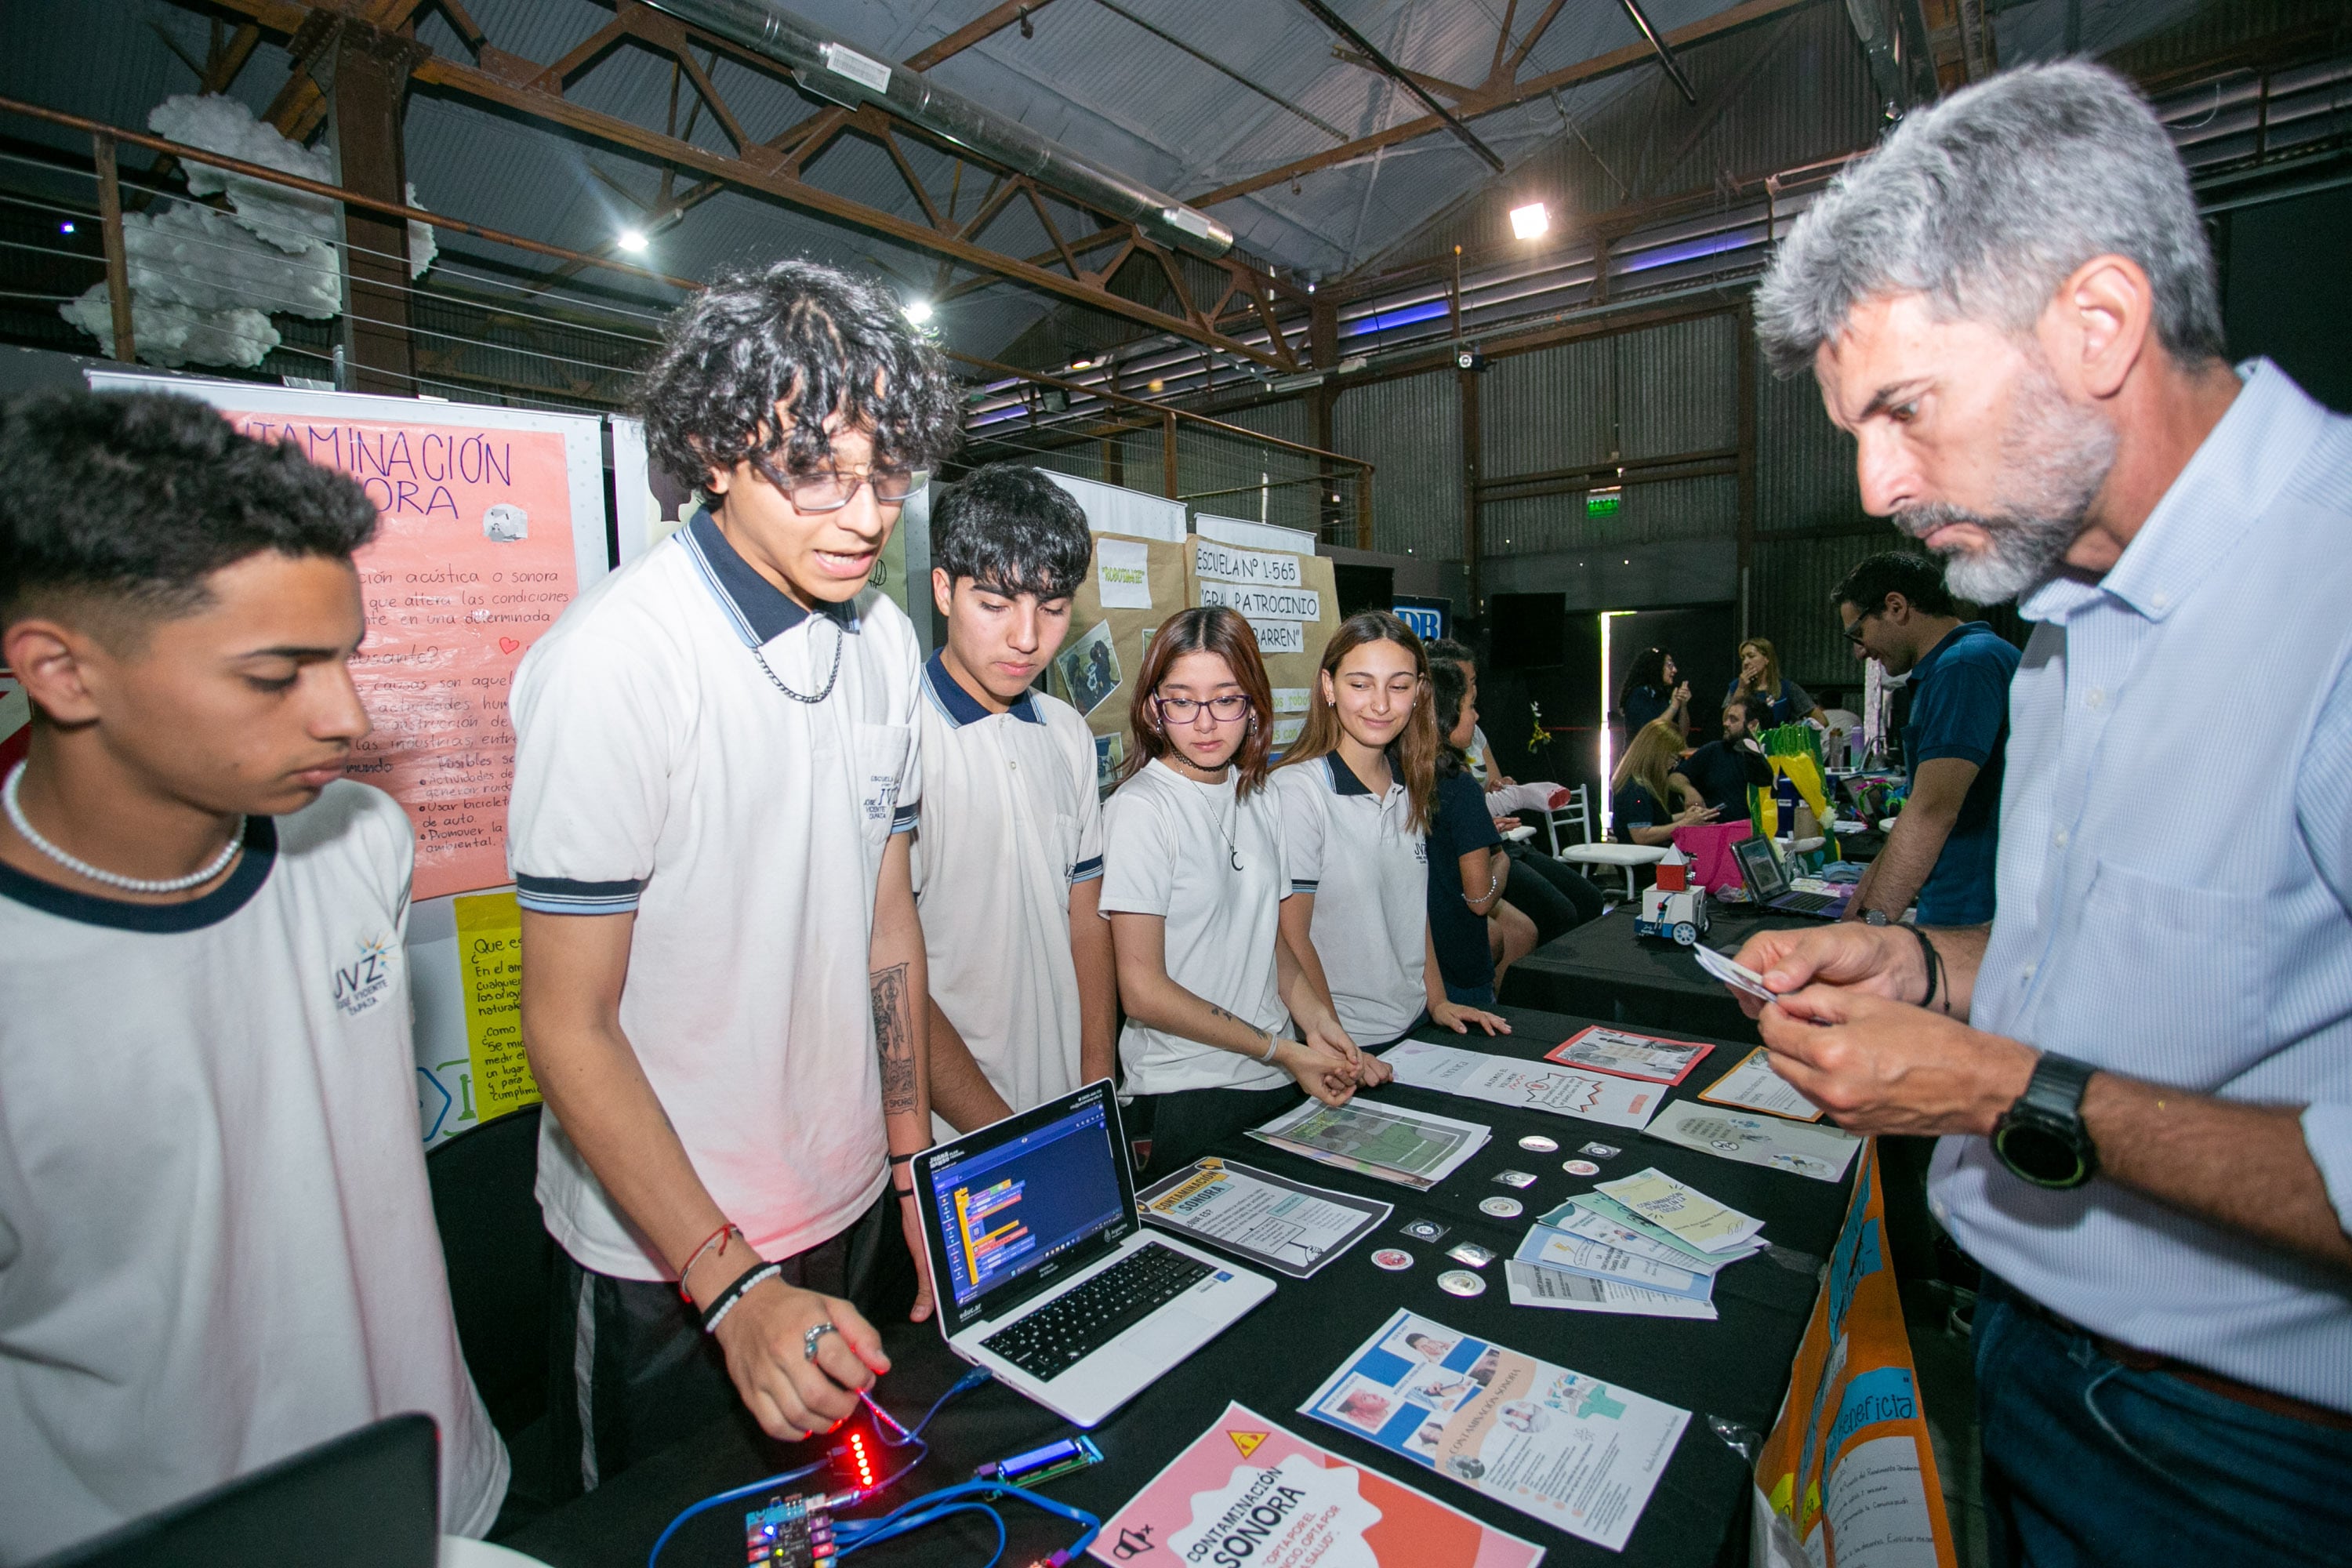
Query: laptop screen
{"x":1020,"y":1205}
{"x":1761,"y":869}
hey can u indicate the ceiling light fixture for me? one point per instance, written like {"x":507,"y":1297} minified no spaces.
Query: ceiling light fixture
{"x":632,"y":240}
{"x":919,"y":311}
{"x":1531,"y":222}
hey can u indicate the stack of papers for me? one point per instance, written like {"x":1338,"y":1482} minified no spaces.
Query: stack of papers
{"x":1260,"y":1217}
{"x":1531,"y":1086}
{"x":1646,"y":1245}
{"x":1412,"y":1148}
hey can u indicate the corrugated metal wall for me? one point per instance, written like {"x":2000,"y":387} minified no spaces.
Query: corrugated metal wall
{"x":1804,"y":463}
{"x":1410,"y":429}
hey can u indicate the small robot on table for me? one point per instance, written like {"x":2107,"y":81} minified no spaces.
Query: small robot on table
{"x":1672,"y":906}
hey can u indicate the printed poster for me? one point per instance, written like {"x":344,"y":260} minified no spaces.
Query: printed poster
{"x":472,"y":562}
{"x":1530,"y":1086}
{"x":1247,"y":1490}
{"x":1581,"y":1455}
{"x":1847,"y":1479}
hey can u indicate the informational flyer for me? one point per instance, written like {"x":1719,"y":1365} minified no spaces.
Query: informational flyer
{"x":1575,"y":1218}
{"x":1412,"y":1148}
{"x":1545,"y":1247}
{"x":1628,"y":1055}
{"x":1820,"y":1152}
{"x":1690,"y":1215}
{"x":1530,"y":1086}
{"x":1754,"y":1086}
{"x":1249,"y":1491}
{"x":1581,"y":1455}
{"x":1615,"y":1213}
{"x":1555,"y":1287}
{"x":1284,"y":1225}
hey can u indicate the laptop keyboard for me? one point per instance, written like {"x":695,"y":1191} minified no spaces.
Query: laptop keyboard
{"x":1065,"y":1331}
{"x":1807,"y":903}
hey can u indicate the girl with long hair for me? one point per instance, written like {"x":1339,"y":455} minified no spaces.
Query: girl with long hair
{"x":1193,"y":878}
{"x":1647,"y":798}
{"x":1470,"y":926}
{"x":1759,"y":672}
{"x":1356,"y":793}
{"x":1654,"y":689}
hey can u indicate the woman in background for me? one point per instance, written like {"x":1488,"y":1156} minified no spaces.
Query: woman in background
{"x":1222,"y":1028}
{"x":1356,"y":791}
{"x":1654,"y":689}
{"x":1467,"y":867}
{"x":1759,"y":672}
{"x":1644,"y":785}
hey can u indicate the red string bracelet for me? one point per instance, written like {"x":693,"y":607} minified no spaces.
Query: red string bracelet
{"x":719,"y":1236}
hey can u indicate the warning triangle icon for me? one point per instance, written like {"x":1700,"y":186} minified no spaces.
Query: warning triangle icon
{"x":1246,"y":1442}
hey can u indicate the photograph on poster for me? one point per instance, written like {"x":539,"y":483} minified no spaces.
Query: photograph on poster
{"x":1089,"y":670}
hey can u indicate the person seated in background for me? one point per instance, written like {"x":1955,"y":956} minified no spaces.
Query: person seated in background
{"x":216,"y":1243}
{"x":1549,"y":897}
{"x":1356,"y":790}
{"x":1724,"y":771}
{"x":1759,"y":672}
{"x":1007,"y":861}
{"x":1476,"y":935}
{"x":1194,"y":874}
{"x":1896,"y":610}
{"x":1654,"y":689}
{"x":1648,"y":800}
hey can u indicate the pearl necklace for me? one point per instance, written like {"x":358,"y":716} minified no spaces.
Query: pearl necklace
{"x":81,"y":868}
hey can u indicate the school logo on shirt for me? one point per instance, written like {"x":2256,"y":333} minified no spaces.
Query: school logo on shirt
{"x":1421,"y":850}
{"x":360,"y":985}
{"x":881,"y":796}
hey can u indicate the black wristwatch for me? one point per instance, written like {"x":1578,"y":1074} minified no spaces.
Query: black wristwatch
{"x":2041,"y":1138}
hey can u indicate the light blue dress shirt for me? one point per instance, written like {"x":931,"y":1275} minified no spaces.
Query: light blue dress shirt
{"x":2175,"y":887}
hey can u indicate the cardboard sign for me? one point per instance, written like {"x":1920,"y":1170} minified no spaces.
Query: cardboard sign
{"x":1847,"y":1479}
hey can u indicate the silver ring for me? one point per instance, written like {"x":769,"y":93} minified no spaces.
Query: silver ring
{"x":809,"y":1340}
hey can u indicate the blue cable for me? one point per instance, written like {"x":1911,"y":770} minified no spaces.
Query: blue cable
{"x":739,"y":1493}
{"x":855,"y":1533}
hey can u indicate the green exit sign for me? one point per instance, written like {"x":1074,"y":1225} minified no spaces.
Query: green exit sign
{"x":1603,"y":503}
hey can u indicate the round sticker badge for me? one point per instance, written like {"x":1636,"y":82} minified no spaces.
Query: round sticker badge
{"x":1460,"y":1282}
{"x":1501,"y":1208}
{"x":1537,"y":1143}
{"x":1581,"y":1168}
{"x":1394,"y":1260}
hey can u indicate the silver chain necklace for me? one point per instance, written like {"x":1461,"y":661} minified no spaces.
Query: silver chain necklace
{"x":1233,"y":847}
{"x":839,"y":637}
{"x":81,"y":868}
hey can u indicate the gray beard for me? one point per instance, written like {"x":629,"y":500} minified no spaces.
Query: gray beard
{"x":2060,"y":455}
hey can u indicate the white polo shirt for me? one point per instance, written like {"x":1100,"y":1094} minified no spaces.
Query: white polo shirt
{"x":1168,"y":848}
{"x":662,"y":767}
{"x":1367,"y":869}
{"x":216,"y":1244}
{"x":1009,"y":822}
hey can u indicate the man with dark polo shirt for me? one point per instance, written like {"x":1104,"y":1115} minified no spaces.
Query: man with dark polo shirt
{"x":1722,"y":770}
{"x":1896,"y":610}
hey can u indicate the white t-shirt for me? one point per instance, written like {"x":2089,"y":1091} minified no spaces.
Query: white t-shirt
{"x":1367,"y":869}
{"x":216,"y":1243}
{"x":661,"y":767}
{"x":1010,"y":821}
{"x":1169,"y":848}
{"x":1475,"y":755}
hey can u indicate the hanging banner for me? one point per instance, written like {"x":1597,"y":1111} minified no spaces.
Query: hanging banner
{"x":1847,"y":1479}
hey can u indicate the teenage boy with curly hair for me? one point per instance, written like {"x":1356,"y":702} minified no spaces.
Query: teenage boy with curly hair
{"x":723,"y":975}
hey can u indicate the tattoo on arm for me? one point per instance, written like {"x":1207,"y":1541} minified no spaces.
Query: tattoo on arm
{"x":894,"y":1036}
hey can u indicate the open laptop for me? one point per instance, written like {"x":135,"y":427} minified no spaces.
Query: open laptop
{"x":1043,"y":1272}
{"x":1768,"y":884}
{"x":370,"y":1498}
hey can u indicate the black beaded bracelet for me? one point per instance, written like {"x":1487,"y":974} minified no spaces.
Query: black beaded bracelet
{"x":724,"y":1302}
{"x":1934,"y":961}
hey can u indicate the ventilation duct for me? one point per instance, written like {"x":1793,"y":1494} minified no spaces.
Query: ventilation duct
{"x":830,"y":67}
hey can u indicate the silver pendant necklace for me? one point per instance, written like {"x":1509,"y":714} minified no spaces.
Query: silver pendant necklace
{"x":81,"y":868}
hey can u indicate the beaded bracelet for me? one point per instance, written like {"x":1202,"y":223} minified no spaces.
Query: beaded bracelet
{"x":724,"y":1302}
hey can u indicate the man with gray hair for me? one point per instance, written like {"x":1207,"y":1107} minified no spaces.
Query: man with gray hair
{"x":2142,"y":1068}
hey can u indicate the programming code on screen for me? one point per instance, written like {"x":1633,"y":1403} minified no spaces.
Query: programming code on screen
{"x":1009,"y":1209}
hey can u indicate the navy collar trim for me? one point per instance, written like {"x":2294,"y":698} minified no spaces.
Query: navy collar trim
{"x":163,"y":920}
{"x":1343,"y":777}
{"x":758,"y":610}
{"x":961,"y":706}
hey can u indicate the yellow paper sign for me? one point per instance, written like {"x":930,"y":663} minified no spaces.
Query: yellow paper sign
{"x":489,"y":968}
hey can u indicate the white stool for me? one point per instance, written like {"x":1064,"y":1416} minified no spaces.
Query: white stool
{"x":1625,"y":856}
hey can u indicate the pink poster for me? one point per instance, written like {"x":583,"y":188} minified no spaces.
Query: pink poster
{"x":472,"y":562}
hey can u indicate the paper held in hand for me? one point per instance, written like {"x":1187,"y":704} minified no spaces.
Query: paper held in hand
{"x":1293,"y":1503}
{"x":1753,"y":1085}
{"x":1820,"y":1152}
{"x":1530,"y":1086}
{"x":1737,"y":976}
{"x":1260,"y":1217}
{"x":1683,"y":1212}
{"x":1581,"y":1455}
{"x":1412,"y":1148}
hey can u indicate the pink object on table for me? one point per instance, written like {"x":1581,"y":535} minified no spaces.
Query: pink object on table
{"x":1708,"y":844}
